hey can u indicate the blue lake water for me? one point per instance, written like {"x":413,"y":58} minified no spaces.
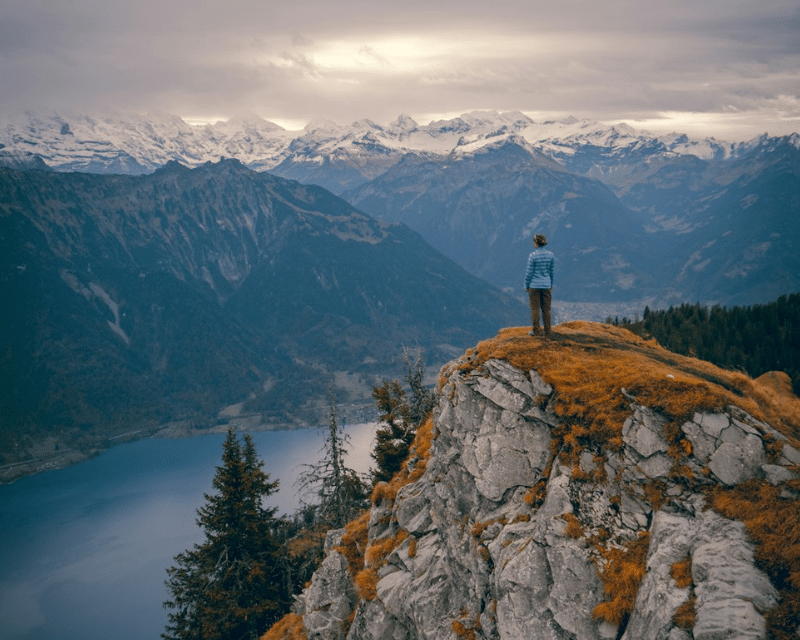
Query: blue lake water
{"x":84,"y":550}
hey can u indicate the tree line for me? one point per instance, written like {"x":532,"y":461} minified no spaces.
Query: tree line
{"x":754,"y":339}
{"x":239,"y":581}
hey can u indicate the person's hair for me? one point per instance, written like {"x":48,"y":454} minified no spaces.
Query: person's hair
{"x":539,"y":239}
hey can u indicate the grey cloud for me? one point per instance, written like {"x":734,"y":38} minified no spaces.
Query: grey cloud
{"x":608,"y":60}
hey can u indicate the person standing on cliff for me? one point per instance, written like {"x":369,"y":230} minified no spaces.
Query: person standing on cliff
{"x":539,"y":284}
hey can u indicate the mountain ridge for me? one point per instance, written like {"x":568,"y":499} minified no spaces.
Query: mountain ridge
{"x":134,"y":301}
{"x":703,"y":213}
{"x":134,"y":143}
{"x":661,"y":229}
{"x":481,"y":208}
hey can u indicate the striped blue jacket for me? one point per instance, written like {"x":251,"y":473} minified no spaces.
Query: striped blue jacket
{"x":539,"y":274}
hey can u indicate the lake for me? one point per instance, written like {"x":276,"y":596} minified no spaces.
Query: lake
{"x":84,"y":550}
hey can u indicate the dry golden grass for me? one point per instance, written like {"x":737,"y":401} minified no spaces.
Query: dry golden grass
{"x":462,"y":631}
{"x":384,"y":492}
{"x":379,"y":550}
{"x":774,"y":525}
{"x":772,"y":447}
{"x":305,"y":542}
{"x":778,"y":381}
{"x":574,"y":528}
{"x":479,"y":527}
{"x":467,"y":629}
{"x":684,"y":617}
{"x":366,"y":584}
{"x":354,"y":543}
{"x":420,"y":450}
{"x":621,"y":575}
{"x":290,"y":627}
{"x":681,"y":572}
{"x":656,"y":493}
{"x":590,"y":364}
{"x":535,"y":496}
{"x":366,"y":580}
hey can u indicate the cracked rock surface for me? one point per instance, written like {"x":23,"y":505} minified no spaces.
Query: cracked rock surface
{"x":492,"y":554}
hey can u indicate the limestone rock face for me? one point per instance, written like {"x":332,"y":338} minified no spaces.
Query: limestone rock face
{"x":502,"y":535}
{"x":328,"y":602}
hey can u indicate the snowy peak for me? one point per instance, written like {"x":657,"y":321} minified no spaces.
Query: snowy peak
{"x":248,"y":122}
{"x":706,"y":149}
{"x":510,"y":146}
{"x":478,"y":119}
{"x":765,"y":144}
{"x":573,"y":133}
{"x":404,"y":124}
{"x":135,"y":144}
{"x":322,"y":125}
{"x":22,"y":161}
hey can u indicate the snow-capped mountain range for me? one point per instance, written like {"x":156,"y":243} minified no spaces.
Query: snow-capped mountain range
{"x":635,"y":217}
{"x":136,"y":144}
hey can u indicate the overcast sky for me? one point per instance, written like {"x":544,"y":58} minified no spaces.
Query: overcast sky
{"x":724,"y":68}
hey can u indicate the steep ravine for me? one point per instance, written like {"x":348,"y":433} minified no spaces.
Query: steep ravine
{"x":590,"y":487}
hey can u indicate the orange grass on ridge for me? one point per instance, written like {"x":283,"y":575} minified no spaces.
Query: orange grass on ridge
{"x":773,"y":523}
{"x":590,"y":364}
{"x":290,"y":627}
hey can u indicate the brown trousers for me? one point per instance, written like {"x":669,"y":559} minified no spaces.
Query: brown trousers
{"x":540,"y":299}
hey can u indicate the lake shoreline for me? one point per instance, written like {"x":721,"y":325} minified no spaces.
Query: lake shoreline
{"x":99,"y":536}
{"x":13,"y":471}
{"x":347,"y":413}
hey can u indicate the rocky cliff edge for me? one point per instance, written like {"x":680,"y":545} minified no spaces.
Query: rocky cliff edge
{"x":589,"y":487}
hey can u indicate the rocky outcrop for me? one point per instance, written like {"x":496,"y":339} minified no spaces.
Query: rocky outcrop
{"x":508,"y":540}
{"x":331,"y":596}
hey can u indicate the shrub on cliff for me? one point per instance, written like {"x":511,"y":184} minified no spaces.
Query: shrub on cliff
{"x":401,"y":415}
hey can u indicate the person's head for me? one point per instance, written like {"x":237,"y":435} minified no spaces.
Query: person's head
{"x":539,"y":240}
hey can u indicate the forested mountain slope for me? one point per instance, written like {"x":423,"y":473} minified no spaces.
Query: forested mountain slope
{"x":132,"y":301}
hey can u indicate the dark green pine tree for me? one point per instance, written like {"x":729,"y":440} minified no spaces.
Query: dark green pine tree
{"x":230,"y":587}
{"x":400,"y":415}
{"x":394,"y":437}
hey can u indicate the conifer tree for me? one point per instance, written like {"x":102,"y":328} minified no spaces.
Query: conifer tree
{"x":401,"y":415}
{"x":229,"y":587}
{"x":396,"y":433}
{"x":757,"y":339}
{"x":338,"y":492}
